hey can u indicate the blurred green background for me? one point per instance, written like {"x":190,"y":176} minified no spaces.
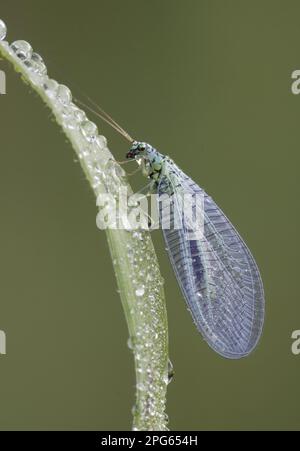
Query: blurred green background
{"x":207,"y":82}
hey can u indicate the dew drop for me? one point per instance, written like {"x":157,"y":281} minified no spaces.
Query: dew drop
{"x":237,"y":269}
{"x":140,"y":386}
{"x":22,"y":49}
{"x":166,"y":378}
{"x":36,"y":64}
{"x":139,"y":236}
{"x":51,"y":87}
{"x":36,"y":67}
{"x":170,"y":371}
{"x":66,"y":112}
{"x":37,"y":58}
{"x":140,"y":291}
{"x":83,"y":153}
{"x":130,"y":343}
{"x":119,"y":172}
{"x":101,"y":141}
{"x":89,"y":130}
{"x":79,"y":114}
{"x":69,"y":117}
{"x":130,"y":253}
{"x":3,"y":30}
{"x":64,"y":95}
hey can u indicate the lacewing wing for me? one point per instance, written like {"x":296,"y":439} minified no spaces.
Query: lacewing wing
{"x":217,"y":274}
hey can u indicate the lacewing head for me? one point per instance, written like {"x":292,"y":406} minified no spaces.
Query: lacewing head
{"x":138,"y":149}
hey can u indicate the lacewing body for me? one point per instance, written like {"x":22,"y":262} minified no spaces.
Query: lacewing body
{"x":216,"y":271}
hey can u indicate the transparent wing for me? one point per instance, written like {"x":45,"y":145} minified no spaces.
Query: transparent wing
{"x":216,"y":271}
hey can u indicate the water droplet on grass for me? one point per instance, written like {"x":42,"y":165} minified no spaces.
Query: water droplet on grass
{"x":51,"y":87}
{"x":37,"y":58}
{"x":64,"y":95}
{"x":38,"y":68}
{"x":89,"y":130}
{"x":36,"y":64}
{"x":22,"y":49}
{"x":131,"y":343}
{"x":101,"y":141}
{"x":3,"y":30}
{"x":170,"y":371}
{"x":140,"y":386}
{"x":79,"y":114}
{"x":140,"y":291}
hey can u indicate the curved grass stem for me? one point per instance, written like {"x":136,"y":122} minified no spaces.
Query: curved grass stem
{"x":141,"y":289}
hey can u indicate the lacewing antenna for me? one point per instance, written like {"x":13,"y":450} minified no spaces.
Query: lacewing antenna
{"x":105,"y":114}
{"x":106,"y":118}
